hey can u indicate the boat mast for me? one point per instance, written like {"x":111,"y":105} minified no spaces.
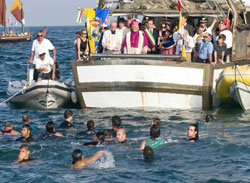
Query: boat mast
{"x":22,"y":18}
{"x":3,"y":16}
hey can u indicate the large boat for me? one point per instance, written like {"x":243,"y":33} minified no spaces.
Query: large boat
{"x":45,"y":94}
{"x":18,"y":13}
{"x":145,"y":81}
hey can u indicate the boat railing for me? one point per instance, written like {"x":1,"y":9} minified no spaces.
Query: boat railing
{"x":135,"y":56}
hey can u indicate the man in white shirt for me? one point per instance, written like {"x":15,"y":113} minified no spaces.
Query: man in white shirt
{"x":43,"y":43}
{"x":44,"y":65}
{"x":112,"y":40}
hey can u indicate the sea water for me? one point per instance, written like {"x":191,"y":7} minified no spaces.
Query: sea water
{"x":221,"y":155}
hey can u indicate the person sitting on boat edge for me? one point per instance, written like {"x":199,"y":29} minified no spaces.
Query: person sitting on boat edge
{"x":82,"y":46}
{"x":51,"y":130}
{"x":155,"y":139}
{"x":44,"y":66}
{"x":97,"y":139}
{"x":24,"y":155}
{"x":26,"y":120}
{"x":90,"y":127}
{"x":8,"y":129}
{"x":26,"y":135}
{"x":79,"y":160}
{"x":121,"y":136}
{"x":193,"y":133}
{"x":68,"y":116}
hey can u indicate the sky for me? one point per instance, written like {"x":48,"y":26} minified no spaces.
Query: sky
{"x":51,"y":12}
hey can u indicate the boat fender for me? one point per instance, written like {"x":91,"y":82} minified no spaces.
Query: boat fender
{"x":74,"y":97}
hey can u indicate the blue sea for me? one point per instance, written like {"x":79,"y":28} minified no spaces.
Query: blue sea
{"x":221,"y":155}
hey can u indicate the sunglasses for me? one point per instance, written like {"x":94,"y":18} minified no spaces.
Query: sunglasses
{"x":39,"y":35}
{"x":205,"y":36}
{"x":84,"y":32}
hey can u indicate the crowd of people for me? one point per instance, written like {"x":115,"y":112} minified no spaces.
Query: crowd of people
{"x":115,"y":133}
{"x":202,"y":44}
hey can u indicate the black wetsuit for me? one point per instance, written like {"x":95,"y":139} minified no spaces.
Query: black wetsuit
{"x":90,"y":144}
{"x":194,"y":139}
{"x":26,"y":140}
{"x":88,"y":132}
{"x":26,"y":160}
{"x":66,"y":124}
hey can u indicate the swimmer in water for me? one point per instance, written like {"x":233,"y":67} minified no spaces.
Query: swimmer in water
{"x":155,"y":121}
{"x":116,"y":123}
{"x":121,"y":135}
{"x":108,"y":135}
{"x":90,"y":127}
{"x":68,"y":116}
{"x":79,"y":160}
{"x":26,"y":135}
{"x":51,"y":130}
{"x":148,"y":152}
{"x":193,"y":133}
{"x":209,"y":118}
{"x":26,"y":121}
{"x":155,"y":139}
{"x":24,"y":155}
{"x":8,"y":129}
{"x":97,"y":139}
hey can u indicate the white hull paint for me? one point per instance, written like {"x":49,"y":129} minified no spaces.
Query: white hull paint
{"x":46,"y":94}
{"x":142,"y":100}
{"x":240,"y":93}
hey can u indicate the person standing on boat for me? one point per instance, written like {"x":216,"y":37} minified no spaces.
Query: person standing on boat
{"x":45,"y":44}
{"x":82,"y":46}
{"x":152,"y":35}
{"x":223,"y":27}
{"x":135,"y":41}
{"x":44,"y":65}
{"x":206,"y":49}
{"x":112,"y":40}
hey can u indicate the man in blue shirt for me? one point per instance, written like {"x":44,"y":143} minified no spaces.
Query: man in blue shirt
{"x":206,"y":49}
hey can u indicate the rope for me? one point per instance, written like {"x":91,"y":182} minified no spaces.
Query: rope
{"x":14,"y":94}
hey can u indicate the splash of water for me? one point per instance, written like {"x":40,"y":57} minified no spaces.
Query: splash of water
{"x":106,"y":161}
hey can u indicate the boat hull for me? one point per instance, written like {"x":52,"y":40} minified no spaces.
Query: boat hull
{"x":137,"y":83}
{"x":6,"y":39}
{"x":46,"y":94}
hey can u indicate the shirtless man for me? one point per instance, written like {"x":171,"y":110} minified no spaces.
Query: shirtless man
{"x":79,"y":160}
{"x":121,"y":135}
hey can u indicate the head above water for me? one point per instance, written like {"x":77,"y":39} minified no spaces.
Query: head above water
{"x":193,"y":131}
{"x":155,"y":132}
{"x":68,"y":115}
{"x":107,"y":133}
{"x":121,"y":135}
{"x":24,"y":151}
{"x":26,"y":119}
{"x":26,"y":131}
{"x":90,"y":125}
{"x":99,"y":137}
{"x":209,"y":118}
{"x":148,"y":152}
{"x":155,"y":121}
{"x":116,"y":122}
{"x":50,"y":127}
{"x":7,"y":124}
{"x":77,"y":155}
